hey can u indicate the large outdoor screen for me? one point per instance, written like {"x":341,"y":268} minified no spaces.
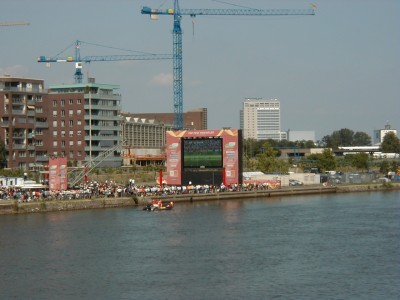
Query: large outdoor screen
{"x":202,"y":153}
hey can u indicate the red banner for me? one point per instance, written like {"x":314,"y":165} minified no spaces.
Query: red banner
{"x":58,"y":176}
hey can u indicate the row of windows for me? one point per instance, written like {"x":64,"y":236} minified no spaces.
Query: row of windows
{"x":62,"y":102}
{"x":70,"y":122}
{"x":70,"y":153}
{"x":63,"y":143}
{"x":71,"y":133}
{"x":71,"y":113}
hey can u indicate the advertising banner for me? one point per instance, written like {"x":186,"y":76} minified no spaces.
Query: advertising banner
{"x":58,"y":177}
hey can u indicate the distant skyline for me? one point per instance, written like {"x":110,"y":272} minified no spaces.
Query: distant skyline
{"x":337,"y":69}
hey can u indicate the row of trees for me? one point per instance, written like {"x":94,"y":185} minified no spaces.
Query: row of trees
{"x":340,"y":138}
{"x":269,"y":162}
{"x":264,"y":155}
{"x":346,"y":137}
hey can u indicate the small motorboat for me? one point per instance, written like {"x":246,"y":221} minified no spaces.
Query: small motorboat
{"x":159,"y":205}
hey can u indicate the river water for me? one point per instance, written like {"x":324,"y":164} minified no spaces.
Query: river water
{"x":341,"y":246}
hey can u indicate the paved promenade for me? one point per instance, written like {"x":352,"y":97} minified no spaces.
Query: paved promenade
{"x":16,"y":207}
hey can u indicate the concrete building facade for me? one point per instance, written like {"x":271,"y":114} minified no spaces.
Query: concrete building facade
{"x":379,"y":134}
{"x":296,"y":135}
{"x":261,"y":119}
{"x":144,"y":140}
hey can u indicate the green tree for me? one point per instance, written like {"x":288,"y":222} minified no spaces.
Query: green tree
{"x":384,"y":167}
{"x":361,"y":139}
{"x":394,"y":166}
{"x":325,"y":161}
{"x":269,"y":162}
{"x":359,"y":160}
{"x":390,"y":143}
{"x":346,"y":137}
{"x":342,"y":137}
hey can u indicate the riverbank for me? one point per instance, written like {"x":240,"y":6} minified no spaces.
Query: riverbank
{"x":14,"y":207}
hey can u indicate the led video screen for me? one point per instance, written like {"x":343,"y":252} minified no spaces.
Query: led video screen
{"x":202,"y":153}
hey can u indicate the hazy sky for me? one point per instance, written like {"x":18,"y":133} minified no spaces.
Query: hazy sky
{"x":337,"y":69}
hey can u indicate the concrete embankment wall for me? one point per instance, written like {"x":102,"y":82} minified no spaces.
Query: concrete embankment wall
{"x":13,"y":207}
{"x":249,"y":195}
{"x":64,"y":205}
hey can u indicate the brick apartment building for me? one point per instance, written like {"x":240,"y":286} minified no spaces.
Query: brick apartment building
{"x":18,"y":120}
{"x":81,"y":122}
{"x":77,"y":121}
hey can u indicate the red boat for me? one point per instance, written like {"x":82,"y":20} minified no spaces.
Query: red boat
{"x":159,"y":205}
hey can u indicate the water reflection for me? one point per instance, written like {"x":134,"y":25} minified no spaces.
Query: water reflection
{"x":306,"y":247}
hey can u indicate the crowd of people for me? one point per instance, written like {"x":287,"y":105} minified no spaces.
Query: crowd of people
{"x":107,"y":189}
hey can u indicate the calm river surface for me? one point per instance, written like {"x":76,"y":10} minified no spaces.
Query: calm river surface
{"x":344,"y":246}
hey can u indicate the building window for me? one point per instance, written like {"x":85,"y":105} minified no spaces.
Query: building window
{"x":71,"y":112}
{"x":71,"y":143}
{"x":71,"y":101}
{"x":71,"y":123}
{"x":62,"y":102}
{"x":63,"y":133}
{"x":54,"y":124}
{"x":62,"y":123}
{"x":54,"y":103}
{"x":63,"y":144}
{"x":79,"y":143}
{"x":71,"y":154}
{"x":79,"y":122}
{"x":79,"y":112}
{"x":63,"y":113}
{"x":71,"y":133}
{"x":54,"y":143}
{"x":54,"y":113}
{"x":79,"y":101}
{"x":55,"y":133}
{"x":79,"y":132}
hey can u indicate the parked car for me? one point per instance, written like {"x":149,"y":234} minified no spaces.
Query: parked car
{"x":383,"y":179}
{"x":294,"y":182}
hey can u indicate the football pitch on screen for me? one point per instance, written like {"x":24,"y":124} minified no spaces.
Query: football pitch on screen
{"x":208,"y":159}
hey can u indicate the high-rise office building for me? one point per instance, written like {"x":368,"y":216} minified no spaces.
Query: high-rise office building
{"x":261,"y":119}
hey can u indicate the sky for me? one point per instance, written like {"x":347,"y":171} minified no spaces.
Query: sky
{"x":337,"y":69}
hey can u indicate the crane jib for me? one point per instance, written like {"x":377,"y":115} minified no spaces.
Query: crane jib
{"x":232,"y":12}
{"x":177,"y":13}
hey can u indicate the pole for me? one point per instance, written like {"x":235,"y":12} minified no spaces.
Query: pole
{"x":90,"y":128}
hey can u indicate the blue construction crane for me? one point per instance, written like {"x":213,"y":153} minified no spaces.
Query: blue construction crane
{"x":87,"y":59}
{"x":177,"y":13}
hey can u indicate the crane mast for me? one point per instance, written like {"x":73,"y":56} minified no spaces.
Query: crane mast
{"x":177,"y":13}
